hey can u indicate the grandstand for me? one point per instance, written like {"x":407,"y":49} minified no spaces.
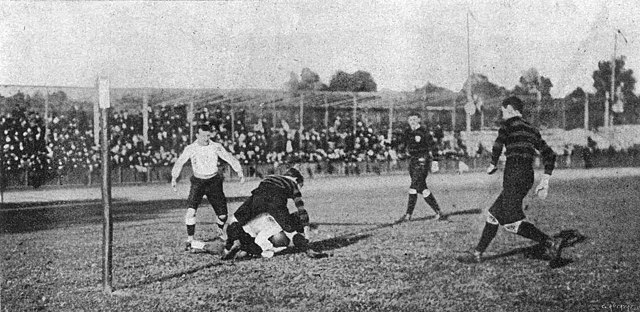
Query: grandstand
{"x":333,"y":132}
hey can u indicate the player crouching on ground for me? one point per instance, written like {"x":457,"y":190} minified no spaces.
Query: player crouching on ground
{"x":270,"y":197}
{"x":521,"y":141}
{"x":264,"y":237}
{"x":260,"y":237}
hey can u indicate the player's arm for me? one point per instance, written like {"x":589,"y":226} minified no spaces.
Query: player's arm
{"x":496,"y":150}
{"x":432,"y":145}
{"x":232,"y":161}
{"x":547,"y":154}
{"x":177,"y":167}
{"x":549,"y":161}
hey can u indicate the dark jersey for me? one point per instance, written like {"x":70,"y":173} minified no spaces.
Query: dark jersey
{"x":282,"y":185}
{"x":419,"y":143}
{"x":522,"y":140}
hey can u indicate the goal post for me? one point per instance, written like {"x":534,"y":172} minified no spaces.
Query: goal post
{"x":104,"y":103}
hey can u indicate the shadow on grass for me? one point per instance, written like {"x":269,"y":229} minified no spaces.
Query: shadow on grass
{"x":173,"y":275}
{"x":29,"y":217}
{"x":569,"y":239}
{"x":445,"y":217}
{"x":339,"y":242}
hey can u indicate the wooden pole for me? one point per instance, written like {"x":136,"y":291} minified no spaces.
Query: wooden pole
{"x":96,"y":123}
{"x":453,"y":115}
{"x":107,"y":226}
{"x":46,"y":115}
{"x":390,"y":131}
{"x":190,"y":120}
{"x":145,"y":117}
{"x":301,"y":121}
{"x":326,"y":112}
{"x":355,"y":112}
{"x":586,"y":111}
{"x":301,"y":124}
{"x":233,"y":125}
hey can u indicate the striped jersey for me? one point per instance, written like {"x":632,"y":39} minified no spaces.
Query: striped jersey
{"x":522,"y":140}
{"x":419,"y":143}
{"x":286,"y":185}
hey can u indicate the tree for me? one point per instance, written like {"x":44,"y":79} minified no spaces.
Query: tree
{"x":624,"y":86}
{"x":293,"y":85}
{"x":360,"y":81}
{"x":531,"y":83}
{"x":309,"y":80}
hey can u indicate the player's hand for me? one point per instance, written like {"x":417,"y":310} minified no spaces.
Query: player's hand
{"x":492,"y":169}
{"x":304,"y":216}
{"x":173,"y":185}
{"x":242,"y":179}
{"x":542,"y":190}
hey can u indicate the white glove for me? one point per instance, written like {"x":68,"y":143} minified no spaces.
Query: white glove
{"x":542,"y":190}
{"x":492,"y":169}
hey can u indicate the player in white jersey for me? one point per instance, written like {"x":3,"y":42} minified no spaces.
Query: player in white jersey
{"x":204,"y":155}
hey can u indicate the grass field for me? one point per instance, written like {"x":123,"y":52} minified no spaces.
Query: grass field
{"x":52,"y":257}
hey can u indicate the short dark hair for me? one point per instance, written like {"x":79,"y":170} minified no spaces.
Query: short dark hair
{"x":414,"y":113}
{"x":203,"y":127}
{"x":515,"y":102}
{"x":295,"y":173}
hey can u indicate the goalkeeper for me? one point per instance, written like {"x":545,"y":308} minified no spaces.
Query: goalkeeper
{"x":270,"y":197}
{"x":521,"y":141}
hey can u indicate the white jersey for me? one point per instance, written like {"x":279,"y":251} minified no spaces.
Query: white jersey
{"x":204,"y":160}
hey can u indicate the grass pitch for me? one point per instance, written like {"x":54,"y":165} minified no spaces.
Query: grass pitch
{"x":52,"y":257}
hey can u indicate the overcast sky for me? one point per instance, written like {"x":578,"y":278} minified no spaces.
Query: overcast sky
{"x":242,"y":44}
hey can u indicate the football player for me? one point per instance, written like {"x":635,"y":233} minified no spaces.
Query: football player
{"x":204,"y":155}
{"x":521,"y":140}
{"x":420,"y":146}
{"x":270,"y":198}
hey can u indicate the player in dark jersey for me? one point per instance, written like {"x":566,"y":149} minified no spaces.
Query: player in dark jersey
{"x":420,"y":147}
{"x":270,"y":197}
{"x":521,"y":141}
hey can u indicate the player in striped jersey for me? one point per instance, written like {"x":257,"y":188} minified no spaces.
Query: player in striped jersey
{"x":270,"y":197}
{"x":522,"y":142}
{"x":204,"y":155}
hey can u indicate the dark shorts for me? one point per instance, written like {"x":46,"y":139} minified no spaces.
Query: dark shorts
{"x":518,"y":180}
{"x":418,"y":171}
{"x":212,"y":188}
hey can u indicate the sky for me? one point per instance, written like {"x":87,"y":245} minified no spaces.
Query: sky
{"x":250,"y":44}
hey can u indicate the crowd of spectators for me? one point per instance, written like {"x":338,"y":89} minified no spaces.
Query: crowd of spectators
{"x":69,"y":142}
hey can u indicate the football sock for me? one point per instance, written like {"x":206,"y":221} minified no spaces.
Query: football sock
{"x":431,"y":200}
{"x":488,"y":233}
{"x":222,"y":219}
{"x":413,"y":198}
{"x":191,"y":230}
{"x":530,"y":231}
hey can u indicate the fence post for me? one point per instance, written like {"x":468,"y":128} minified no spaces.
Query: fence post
{"x":355,"y":112}
{"x":586,"y":111}
{"x":326,"y":112}
{"x":301,"y":120}
{"x":46,"y":115}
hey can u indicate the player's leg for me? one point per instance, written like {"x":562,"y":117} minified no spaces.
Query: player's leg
{"x":426,"y":193}
{"x":193,"y":201}
{"x":488,"y":232}
{"x":217,"y":199}
{"x":521,"y":182}
{"x":413,"y":192}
